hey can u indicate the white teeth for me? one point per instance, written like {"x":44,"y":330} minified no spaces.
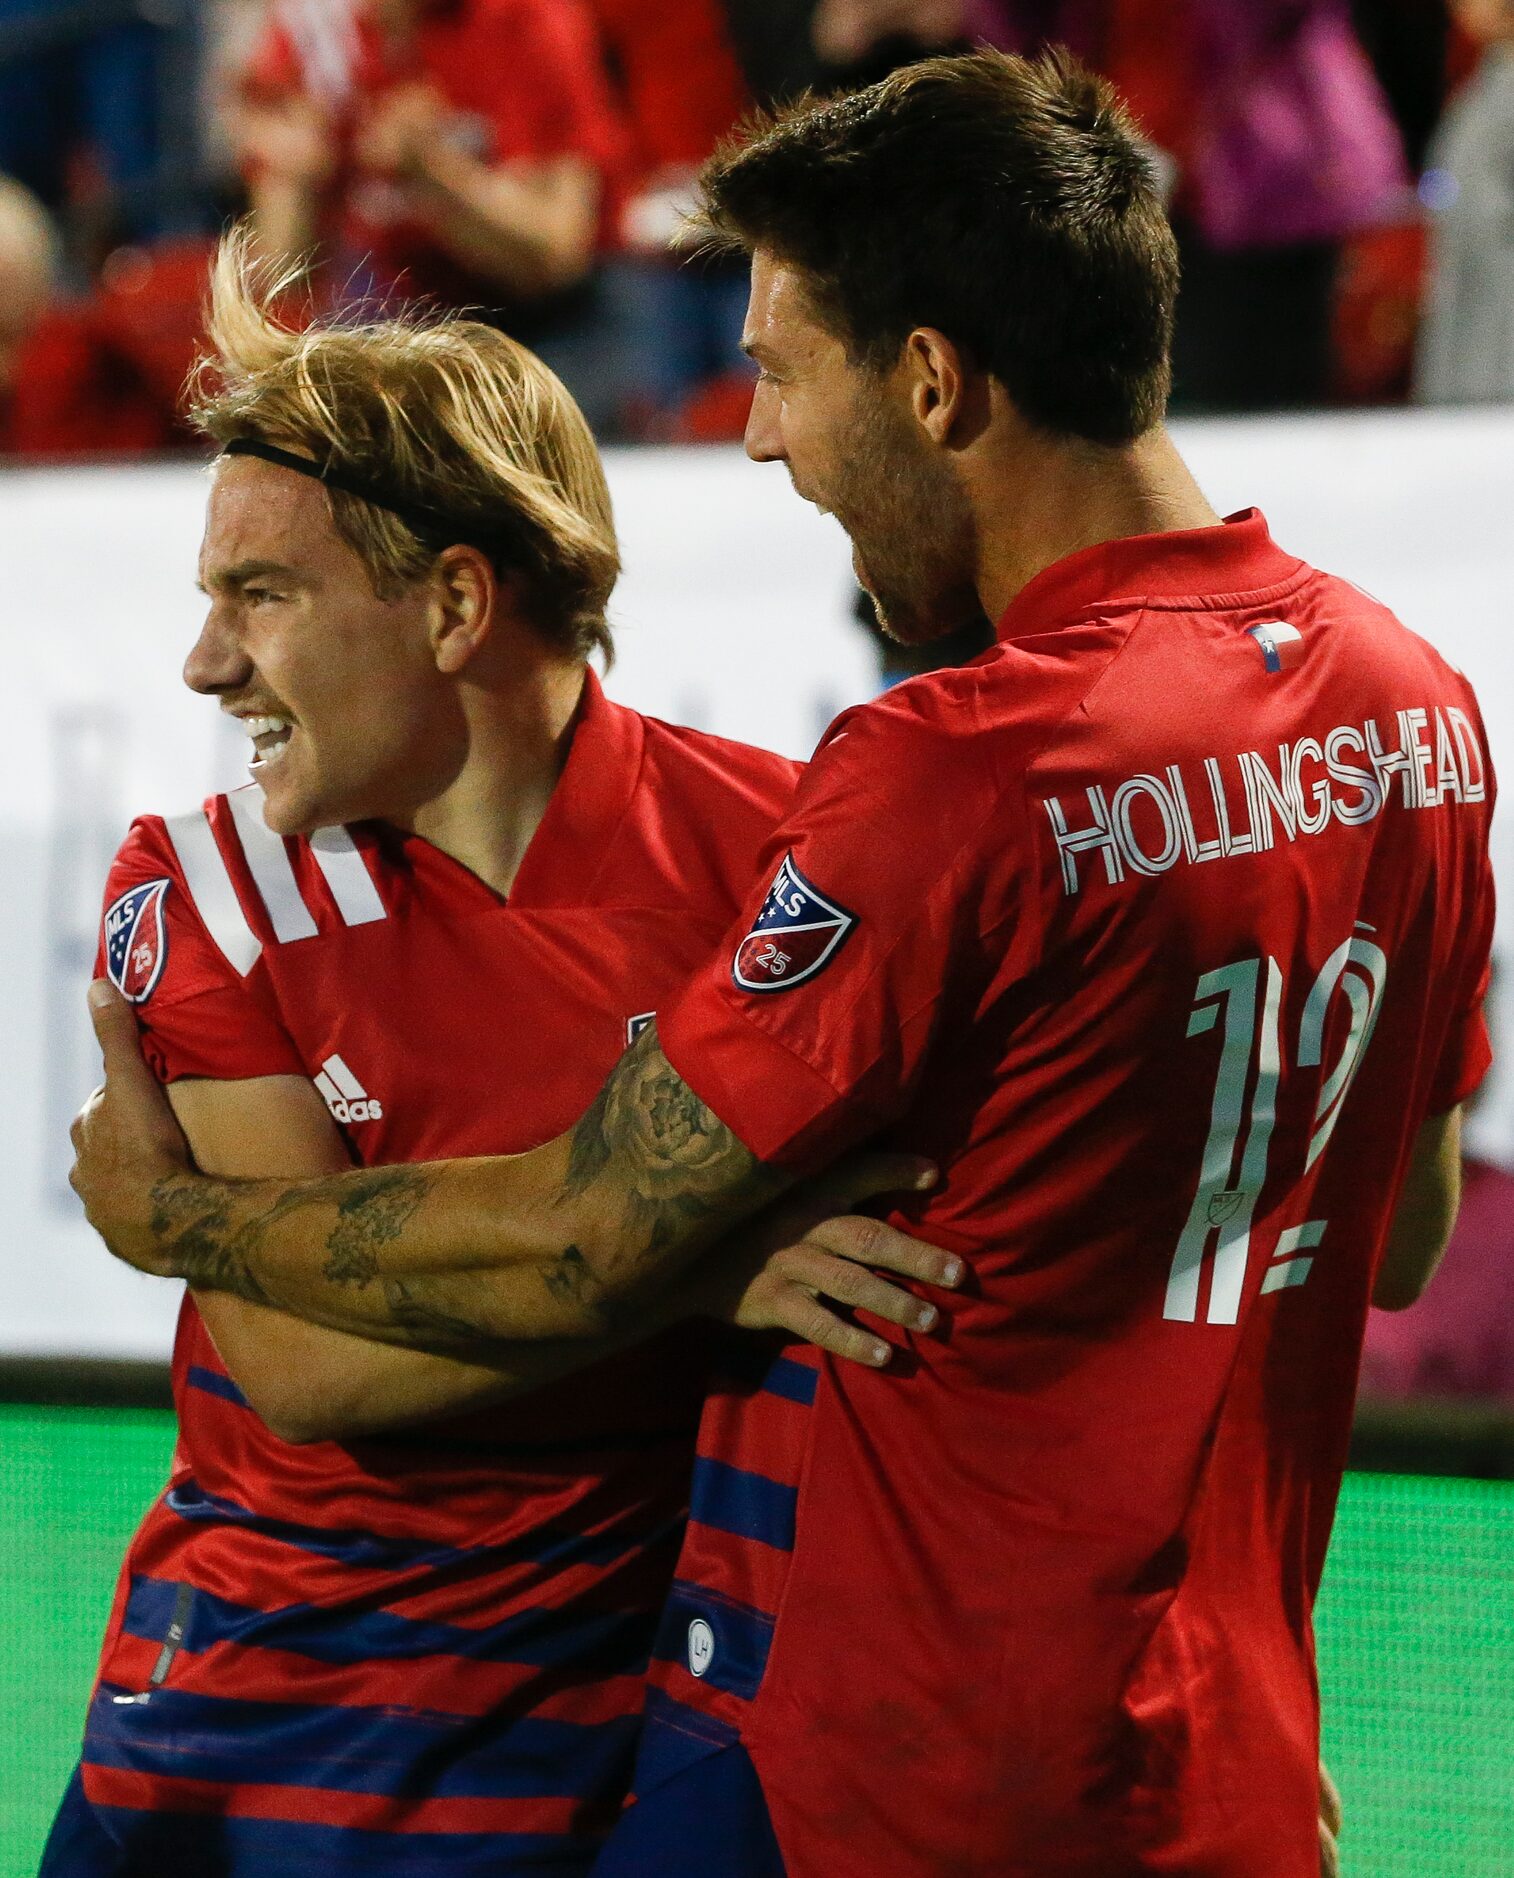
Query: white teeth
{"x":264,"y":726}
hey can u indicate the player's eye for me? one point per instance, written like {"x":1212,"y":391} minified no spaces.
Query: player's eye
{"x":260,"y":596}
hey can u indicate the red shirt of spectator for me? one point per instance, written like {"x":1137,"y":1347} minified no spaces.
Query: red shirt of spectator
{"x":102,"y":377}
{"x":683,"y":88}
{"x":524,"y":81}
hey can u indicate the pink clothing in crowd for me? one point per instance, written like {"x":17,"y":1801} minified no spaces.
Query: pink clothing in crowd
{"x":1289,"y":136}
{"x":1459,"y":1339}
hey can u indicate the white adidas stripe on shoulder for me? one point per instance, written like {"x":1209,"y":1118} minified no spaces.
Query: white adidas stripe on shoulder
{"x":211,"y":888}
{"x":341,"y":864}
{"x":214,"y":892}
{"x":268,"y":863}
{"x":346,"y":872}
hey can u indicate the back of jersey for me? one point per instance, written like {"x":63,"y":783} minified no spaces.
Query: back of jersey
{"x":1264,"y":916}
{"x":1163,"y":928}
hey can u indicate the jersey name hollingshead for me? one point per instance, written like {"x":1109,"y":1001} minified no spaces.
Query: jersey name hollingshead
{"x":1245,"y":804}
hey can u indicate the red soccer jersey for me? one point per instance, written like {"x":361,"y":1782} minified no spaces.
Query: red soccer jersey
{"x":1163,"y":927}
{"x":522,"y":80}
{"x":426,"y":1649}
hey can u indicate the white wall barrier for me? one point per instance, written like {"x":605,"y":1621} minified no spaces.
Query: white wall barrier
{"x":733,"y":615}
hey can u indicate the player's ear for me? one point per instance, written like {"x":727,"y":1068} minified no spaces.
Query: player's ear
{"x":941,"y":386}
{"x":465,"y":591}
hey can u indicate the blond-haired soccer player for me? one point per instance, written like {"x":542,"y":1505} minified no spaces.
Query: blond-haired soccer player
{"x":384,"y":1617}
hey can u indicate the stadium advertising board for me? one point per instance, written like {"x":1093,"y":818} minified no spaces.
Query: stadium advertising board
{"x":734,"y":615}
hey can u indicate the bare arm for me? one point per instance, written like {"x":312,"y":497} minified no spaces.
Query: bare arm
{"x":529,"y":226}
{"x":308,"y":1382}
{"x":454,"y":1256}
{"x":285,"y":216}
{"x":432,"y":1256}
{"x":311,"y":1383}
{"x":290,"y":151}
{"x":1425,"y":1214}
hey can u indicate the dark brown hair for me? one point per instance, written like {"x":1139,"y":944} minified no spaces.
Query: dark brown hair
{"x":1006,"y":202}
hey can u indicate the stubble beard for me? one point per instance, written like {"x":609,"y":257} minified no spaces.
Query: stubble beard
{"x":911,"y":529}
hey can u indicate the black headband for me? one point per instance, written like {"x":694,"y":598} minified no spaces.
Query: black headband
{"x":434,"y":527}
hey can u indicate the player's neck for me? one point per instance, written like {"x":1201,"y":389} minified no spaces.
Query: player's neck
{"x":518,"y":741}
{"x":1068,"y":497}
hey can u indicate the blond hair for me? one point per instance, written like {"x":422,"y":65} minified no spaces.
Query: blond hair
{"x":444,"y":412}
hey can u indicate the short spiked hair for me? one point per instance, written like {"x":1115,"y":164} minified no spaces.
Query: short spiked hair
{"x":1007,"y":202}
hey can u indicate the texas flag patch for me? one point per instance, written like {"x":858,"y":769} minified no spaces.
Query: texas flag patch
{"x":136,"y":940}
{"x":798,"y":932}
{"x":1282,"y":645}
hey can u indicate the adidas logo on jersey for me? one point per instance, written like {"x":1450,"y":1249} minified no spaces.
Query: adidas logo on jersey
{"x":344,"y":1095}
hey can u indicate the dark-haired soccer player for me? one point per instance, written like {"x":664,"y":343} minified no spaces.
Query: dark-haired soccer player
{"x":415,"y":1641}
{"x":1163,"y":926}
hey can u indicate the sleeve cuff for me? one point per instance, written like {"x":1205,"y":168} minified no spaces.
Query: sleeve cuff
{"x":779,"y":1107}
{"x":209,"y":1034}
{"x":1461,"y":1075}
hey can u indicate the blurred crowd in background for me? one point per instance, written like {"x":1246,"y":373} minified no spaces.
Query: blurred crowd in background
{"x":1341,"y":176}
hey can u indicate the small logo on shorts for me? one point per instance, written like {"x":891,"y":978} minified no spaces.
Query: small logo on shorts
{"x":701,"y":1647}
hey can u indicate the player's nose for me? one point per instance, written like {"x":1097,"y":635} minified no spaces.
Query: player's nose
{"x":216,"y":661}
{"x":764,"y":433}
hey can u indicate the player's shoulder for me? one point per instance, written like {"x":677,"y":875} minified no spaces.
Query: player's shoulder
{"x":1393,"y":643}
{"x":220,"y":874}
{"x":163,"y":936}
{"x":727,"y":776}
{"x":167,"y":844}
{"x":702,"y":813}
{"x":964,"y":732}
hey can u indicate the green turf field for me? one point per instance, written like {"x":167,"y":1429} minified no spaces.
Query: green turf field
{"x":1416,"y":1634}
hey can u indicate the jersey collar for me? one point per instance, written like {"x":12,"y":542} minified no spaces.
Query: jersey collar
{"x":576,"y":835}
{"x":1189,"y":568}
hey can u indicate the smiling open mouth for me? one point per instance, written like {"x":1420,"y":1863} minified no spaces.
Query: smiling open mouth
{"x":270,"y":738}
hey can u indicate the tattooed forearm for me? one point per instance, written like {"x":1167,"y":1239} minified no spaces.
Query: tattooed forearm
{"x":641,"y":1185}
{"x":371,"y":1212}
{"x":429,"y":1327}
{"x":570,"y":1279}
{"x":192,"y":1224}
{"x":678,"y":1168}
{"x":214,"y":1233}
{"x":589,"y":1148}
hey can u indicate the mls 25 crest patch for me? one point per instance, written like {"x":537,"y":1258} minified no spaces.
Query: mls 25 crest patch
{"x":136,"y":940}
{"x":798,"y":932}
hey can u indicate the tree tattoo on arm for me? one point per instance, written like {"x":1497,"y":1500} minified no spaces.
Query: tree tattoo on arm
{"x":213,"y":1241}
{"x":661,"y":1174}
{"x":193,"y":1223}
{"x":370,"y":1212}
